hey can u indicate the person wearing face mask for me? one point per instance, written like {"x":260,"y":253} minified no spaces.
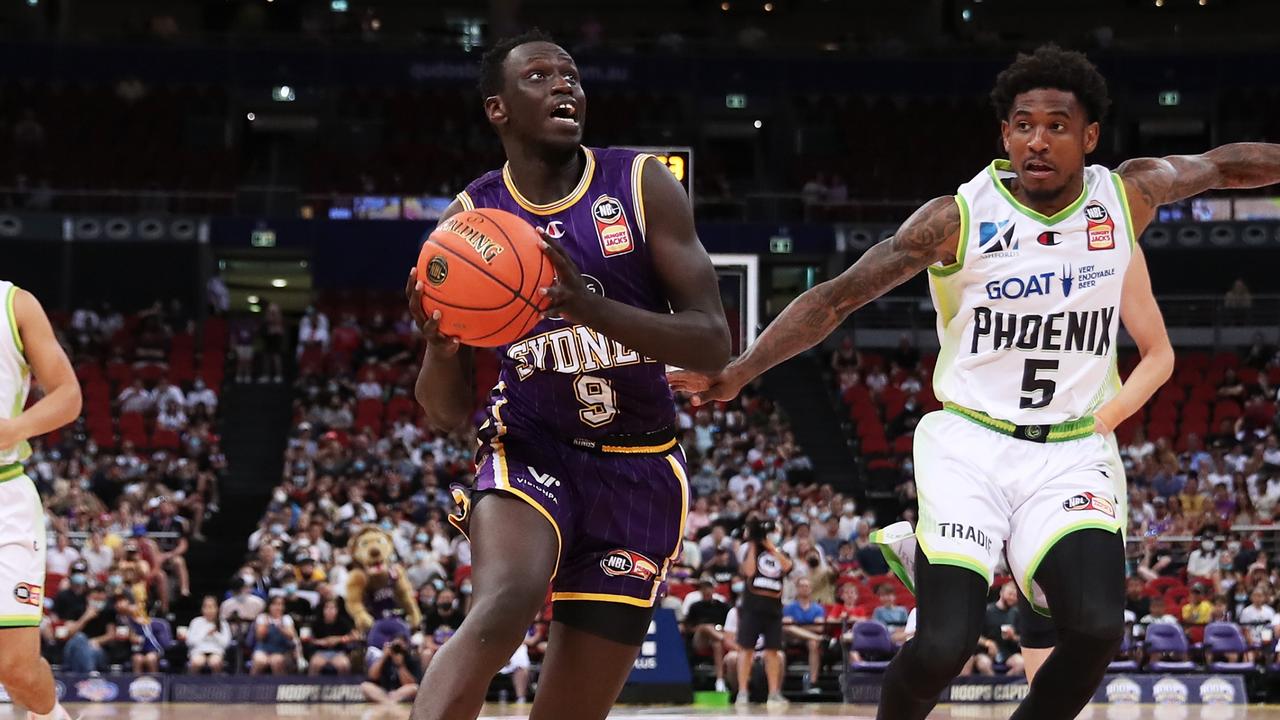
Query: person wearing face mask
{"x":764,"y":568}
{"x":1203,"y":563}
{"x":243,"y":605}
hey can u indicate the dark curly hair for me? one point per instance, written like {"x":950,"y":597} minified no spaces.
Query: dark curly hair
{"x":1054,"y":68}
{"x":491,"y":79}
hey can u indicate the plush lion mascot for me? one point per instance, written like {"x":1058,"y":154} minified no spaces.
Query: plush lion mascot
{"x":377,"y":586}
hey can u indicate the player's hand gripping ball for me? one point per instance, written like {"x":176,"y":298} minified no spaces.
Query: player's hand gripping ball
{"x":481,"y":273}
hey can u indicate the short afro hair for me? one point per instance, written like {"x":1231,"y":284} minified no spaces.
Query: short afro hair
{"x":1053,"y":68}
{"x":491,"y":79}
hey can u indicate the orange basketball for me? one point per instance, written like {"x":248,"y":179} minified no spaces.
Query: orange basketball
{"x":482,"y":269}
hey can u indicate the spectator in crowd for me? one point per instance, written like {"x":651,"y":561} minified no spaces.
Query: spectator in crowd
{"x":1198,"y":610}
{"x":999,"y":641}
{"x":60,"y":557}
{"x":88,"y":632}
{"x":1204,"y":562}
{"x":217,"y":296}
{"x":704,"y":616}
{"x":889,"y":613}
{"x":245,"y":353}
{"x":1135,"y":597}
{"x":208,"y":638}
{"x":331,"y":639}
{"x":393,"y":677}
{"x":1238,"y":297}
{"x":273,"y":337}
{"x":870,"y":559}
{"x":802,"y":622}
{"x":276,"y":639}
{"x":313,"y":330}
{"x":1258,"y":619}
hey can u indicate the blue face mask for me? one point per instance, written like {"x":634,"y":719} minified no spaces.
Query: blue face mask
{"x":422,"y":537}
{"x":772,"y":512}
{"x":78,"y":578}
{"x":738,"y":587}
{"x":386,"y":525}
{"x":115,"y":580}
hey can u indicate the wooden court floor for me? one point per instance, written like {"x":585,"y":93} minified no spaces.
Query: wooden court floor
{"x":179,"y":711}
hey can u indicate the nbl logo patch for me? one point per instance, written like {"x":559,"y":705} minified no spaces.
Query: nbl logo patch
{"x":27,"y":594}
{"x":625,"y":563}
{"x":1101,"y":227}
{"x":1089,"y":501}
{"x":611,"y":226}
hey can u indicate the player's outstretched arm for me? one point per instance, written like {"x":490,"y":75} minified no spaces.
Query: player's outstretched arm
{"x":62,"y":401}
{"x":1152,"y":182}
{"x":930,"y":235}
{"x":444,"y":382}
{"x":1141,"y":317}
{"x":694,"y":334}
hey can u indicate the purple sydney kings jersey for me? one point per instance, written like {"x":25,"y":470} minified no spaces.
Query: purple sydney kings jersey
{"x":570,"y":380}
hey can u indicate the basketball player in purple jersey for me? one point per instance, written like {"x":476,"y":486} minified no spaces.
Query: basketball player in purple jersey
{"x":580,"y":484}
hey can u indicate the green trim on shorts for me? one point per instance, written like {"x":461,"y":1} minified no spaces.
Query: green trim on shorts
{"x":1027,"y":588}
{"x":1062,"y":432}
{"x":896,"y":565}
{"x":954,"y":559}
{"x":19,"y":621}
{"x":9,"y":472}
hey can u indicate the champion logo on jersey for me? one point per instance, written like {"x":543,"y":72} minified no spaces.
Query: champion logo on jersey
{"x":555,"y":229}
{"x":995,"y":243}
{"x":611,"y":226}
{"x":1049,"y":238}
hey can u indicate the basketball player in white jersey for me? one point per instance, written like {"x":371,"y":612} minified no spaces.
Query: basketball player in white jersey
{"x":1032,"y":264}
{"x":27,"y":346}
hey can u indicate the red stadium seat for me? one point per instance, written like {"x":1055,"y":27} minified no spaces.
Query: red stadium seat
{"x":163,"y":439}
{"x":903,"y":445}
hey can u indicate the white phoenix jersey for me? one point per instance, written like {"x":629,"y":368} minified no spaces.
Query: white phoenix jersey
{"x":15,"y":375}
{"x":1028,"y":315}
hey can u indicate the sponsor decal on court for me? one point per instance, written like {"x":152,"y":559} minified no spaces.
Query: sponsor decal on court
{"x":1124,"y":690}
{"x":1101,"y":228}
{"x":97,"y":690}
{"x":1170,"y":691}
{"x":620,"y":563}
{"x":146,"y":690}
{"x":1089,"y":501}
{"x":1217,"y":691}
{"x":611,"y":226}
{"x":27,"y":594}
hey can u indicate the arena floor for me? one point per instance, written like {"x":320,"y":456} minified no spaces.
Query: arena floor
{"x":178,"y":711}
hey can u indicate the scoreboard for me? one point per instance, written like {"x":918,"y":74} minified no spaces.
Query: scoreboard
{"x":678,"y":159}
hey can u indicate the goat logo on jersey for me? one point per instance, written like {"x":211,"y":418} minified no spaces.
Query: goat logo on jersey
{"x":1066,"y":278}
{"x":611,"y":226}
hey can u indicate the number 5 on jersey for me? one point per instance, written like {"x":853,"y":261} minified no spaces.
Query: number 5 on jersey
{"x":598,"y":398}
{"x":1032,"y":382}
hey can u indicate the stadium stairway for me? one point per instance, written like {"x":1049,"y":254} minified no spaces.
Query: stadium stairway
{"x":801,"y":388}
{"x":255,"y":426}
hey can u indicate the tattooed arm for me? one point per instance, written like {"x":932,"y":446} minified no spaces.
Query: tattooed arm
{"x":1152,"y":182}
{"x":930,"y":235}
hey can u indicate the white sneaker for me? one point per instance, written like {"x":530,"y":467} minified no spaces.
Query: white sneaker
{"x":721,"y":686}
{"x":743,"y":700}
{"x":898,"y":545}
{"x":776,"y":701}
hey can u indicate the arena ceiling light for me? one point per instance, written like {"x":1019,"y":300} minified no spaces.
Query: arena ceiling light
{"x":279,"y":283}
{"x":283,"y":93}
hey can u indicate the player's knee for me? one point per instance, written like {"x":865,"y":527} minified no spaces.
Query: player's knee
{"x":939,"y":658}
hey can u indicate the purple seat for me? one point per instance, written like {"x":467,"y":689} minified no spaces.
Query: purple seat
{"x":1225,"y":637}
{"x":870,"y":638}
{"x":1168,"y":638}
{"x":1117,"y":665}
